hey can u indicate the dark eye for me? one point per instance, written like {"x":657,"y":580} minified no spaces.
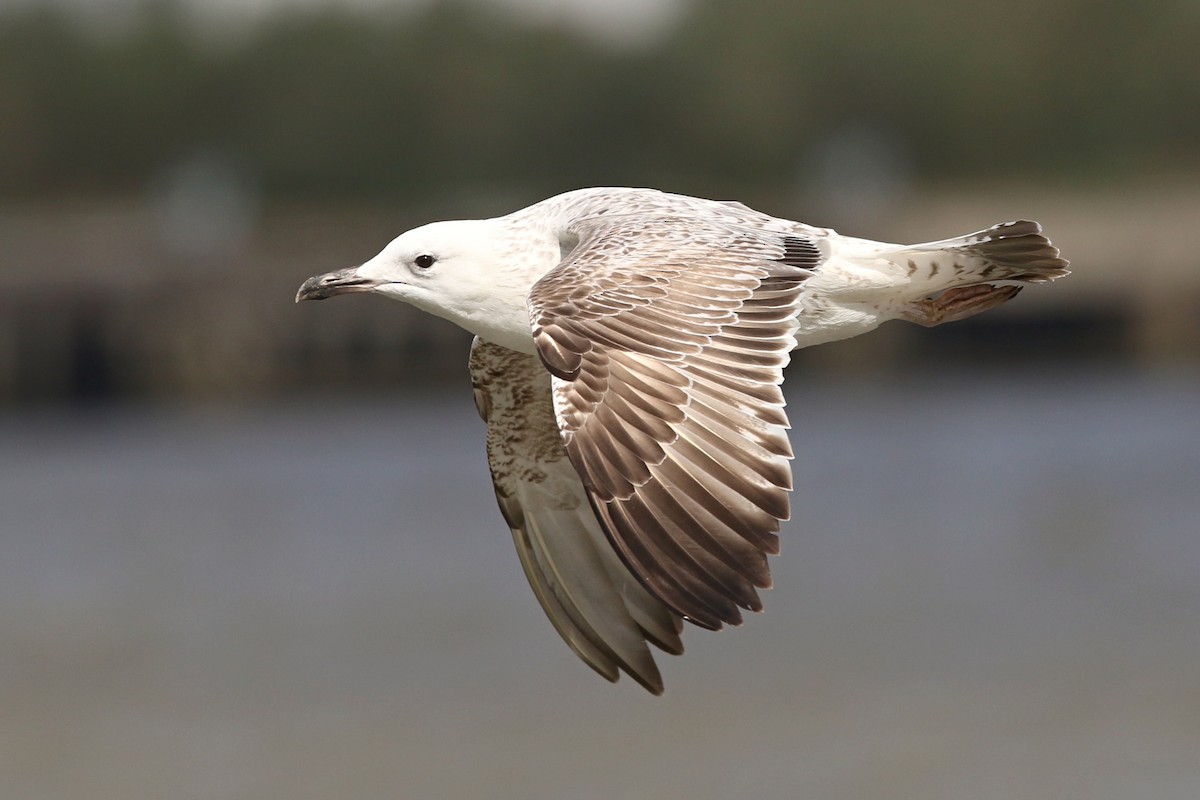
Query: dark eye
{"x":424,"y":261}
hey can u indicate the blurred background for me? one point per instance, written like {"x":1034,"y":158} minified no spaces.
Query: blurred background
{"x":249,"y":549}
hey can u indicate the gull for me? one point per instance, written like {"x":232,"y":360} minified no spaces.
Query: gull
{"x":628,"y":359}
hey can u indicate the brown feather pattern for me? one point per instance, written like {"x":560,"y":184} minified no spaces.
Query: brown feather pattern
{"x":669,"y":404}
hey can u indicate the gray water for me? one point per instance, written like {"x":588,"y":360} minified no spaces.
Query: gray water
{"x":990,"y":589}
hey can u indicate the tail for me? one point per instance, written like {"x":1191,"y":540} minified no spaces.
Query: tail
{"x":1010,"y":251}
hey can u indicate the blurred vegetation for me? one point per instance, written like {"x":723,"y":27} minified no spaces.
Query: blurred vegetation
{"x":335,"y":103}
{"x":179,"y":174}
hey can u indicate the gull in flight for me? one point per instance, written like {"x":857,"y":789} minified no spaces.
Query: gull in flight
{"x":628,"y":355}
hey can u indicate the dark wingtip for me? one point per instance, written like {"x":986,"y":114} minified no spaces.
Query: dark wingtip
{"x":651,"y":683}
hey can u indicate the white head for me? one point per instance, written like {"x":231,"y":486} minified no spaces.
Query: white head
{"x":462,"y":270}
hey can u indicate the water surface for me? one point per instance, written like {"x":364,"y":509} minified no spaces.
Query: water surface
{"x":990,"y":589}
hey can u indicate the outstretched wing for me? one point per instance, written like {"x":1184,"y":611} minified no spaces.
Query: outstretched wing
{"x":667,"y":338}
{"x":596,"y":605}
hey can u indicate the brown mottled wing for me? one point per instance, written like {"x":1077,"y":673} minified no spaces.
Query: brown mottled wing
{"x":667,"y":338}
{"x":596,"y":605}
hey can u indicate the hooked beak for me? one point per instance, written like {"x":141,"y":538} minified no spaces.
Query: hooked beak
{"x":342,"y":281}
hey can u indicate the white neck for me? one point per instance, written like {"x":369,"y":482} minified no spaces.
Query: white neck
{"x":490,"y":300}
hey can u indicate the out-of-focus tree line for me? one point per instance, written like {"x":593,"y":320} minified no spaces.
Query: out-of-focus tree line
{"x":167,"y":180}
{"x":337,"y":103}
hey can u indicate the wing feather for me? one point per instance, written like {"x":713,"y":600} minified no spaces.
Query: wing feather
{"x":666,"y":388}
{"x":598,"y":607}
